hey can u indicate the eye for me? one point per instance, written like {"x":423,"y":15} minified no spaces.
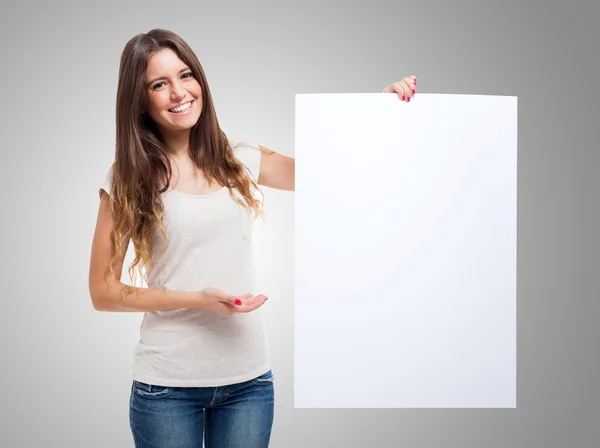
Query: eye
{"x":157,"y":85}
{"x":185,"y":75}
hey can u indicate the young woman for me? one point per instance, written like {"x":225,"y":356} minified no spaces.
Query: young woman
{"x":186,"y":196}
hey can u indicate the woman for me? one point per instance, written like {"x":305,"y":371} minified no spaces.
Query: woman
{"x":186,"y":197}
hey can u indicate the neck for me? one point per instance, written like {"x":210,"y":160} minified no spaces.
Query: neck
{"x":177,"y":144}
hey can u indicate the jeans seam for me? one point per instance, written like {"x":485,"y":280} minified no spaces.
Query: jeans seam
{"x":205,"y":428}
{"x":131,"y":419}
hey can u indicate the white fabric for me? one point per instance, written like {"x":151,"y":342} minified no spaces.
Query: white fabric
{"x":210,"y":245}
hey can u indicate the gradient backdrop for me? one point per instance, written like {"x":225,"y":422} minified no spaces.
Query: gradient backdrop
{"x":65,"y":367}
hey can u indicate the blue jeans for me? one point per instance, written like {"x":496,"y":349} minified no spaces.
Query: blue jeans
{"x":232,"y":416}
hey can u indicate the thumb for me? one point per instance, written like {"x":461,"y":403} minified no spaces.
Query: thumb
{"x":236,"y":300}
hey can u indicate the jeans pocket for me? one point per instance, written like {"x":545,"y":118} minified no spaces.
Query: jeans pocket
{"x":266,"y":379}
{"x":246,"y":223}
{"x":150,"y":390}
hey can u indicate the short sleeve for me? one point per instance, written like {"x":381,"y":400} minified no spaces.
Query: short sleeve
{"x":249,"y":154}
{"x":107,"y":183}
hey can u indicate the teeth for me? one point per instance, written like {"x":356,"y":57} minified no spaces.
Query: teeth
{"x":182,"y":107}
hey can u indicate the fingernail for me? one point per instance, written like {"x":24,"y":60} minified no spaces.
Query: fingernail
{"x":402,"y":98}
{"x":408,"y":100}
{"x":414,"y":91}
{"x":238,"y":302}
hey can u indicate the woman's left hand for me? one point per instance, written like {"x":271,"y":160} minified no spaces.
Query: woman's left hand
{"x":405,"y":88}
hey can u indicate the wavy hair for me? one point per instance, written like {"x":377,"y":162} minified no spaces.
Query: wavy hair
{"x":141,"y":172}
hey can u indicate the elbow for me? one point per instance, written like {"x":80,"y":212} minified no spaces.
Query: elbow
{"x":98,"y":303}
{"x":98,"y":306}
{"x":99,"y":300}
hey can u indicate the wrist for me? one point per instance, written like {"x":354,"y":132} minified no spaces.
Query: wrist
{"x":200,"y":298}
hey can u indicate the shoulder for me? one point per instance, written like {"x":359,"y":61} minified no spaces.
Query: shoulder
{"x":249,"y":154}
{"x":106,"y":184}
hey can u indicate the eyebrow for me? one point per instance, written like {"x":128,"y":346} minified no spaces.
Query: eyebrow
{"x":163,"y":77}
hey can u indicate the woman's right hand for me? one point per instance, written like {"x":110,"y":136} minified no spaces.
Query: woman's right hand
{"x":222,"y":303}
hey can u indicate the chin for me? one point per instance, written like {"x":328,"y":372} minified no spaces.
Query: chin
{"x":189,"y":123}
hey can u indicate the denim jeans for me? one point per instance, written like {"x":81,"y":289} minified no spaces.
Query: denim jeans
{"x":232,"y":416}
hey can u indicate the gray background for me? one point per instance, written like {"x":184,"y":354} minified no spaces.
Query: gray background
{"x":65,"y":366}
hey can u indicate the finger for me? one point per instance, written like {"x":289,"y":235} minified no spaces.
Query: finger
{"x":232,"y":300}
{"x":246,"y":303}
{"x":405,"y":89}
{"x":412,"y":84}
{"x":407,"y":83}
{"x":401,"y":89}
{"x":410,"y":81}
{"x":397,"y":89}
{"x":238,"y":300}
{"x":253,"y":303}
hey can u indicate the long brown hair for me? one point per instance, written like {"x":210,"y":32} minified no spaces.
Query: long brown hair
{"x":141,"y":163}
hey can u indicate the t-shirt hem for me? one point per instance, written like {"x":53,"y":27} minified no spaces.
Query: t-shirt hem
{"x":202,"y":382}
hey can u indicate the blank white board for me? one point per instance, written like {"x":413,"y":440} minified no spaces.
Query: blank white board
{"x":405,"y":252}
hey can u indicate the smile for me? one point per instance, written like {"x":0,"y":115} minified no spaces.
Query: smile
{"x":183,"y":109}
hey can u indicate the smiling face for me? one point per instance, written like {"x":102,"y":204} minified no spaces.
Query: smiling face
{"x":174,"y":95}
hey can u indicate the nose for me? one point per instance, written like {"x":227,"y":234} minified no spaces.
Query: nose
{"x":177,"y":91}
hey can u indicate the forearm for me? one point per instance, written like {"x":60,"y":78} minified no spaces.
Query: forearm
{"x":118,"y":297}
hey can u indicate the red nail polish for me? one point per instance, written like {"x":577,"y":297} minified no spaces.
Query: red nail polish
{"x":402,"y":98}
{"x":238,"y":302}
{"x":414,"y":91}
{"x":408,"y":100}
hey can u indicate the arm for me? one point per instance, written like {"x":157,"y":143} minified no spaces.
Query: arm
{"x":109,"y":295}
{"x":276,"y":170}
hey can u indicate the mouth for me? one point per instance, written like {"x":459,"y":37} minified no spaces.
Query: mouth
{"x":183,"y":109}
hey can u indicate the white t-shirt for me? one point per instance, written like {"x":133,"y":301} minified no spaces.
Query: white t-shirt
{"x":210,"y":245}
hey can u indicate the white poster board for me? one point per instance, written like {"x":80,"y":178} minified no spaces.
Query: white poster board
{"x":405,"y":268}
